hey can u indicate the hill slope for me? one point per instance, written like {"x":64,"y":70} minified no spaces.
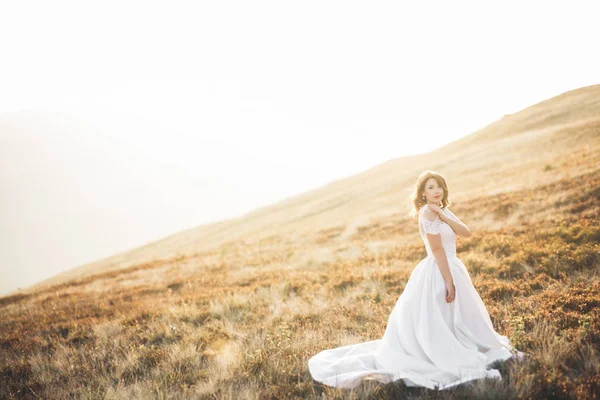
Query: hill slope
{"x":513,"y":153}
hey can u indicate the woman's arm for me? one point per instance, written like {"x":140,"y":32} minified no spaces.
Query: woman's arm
{"x":458,"y":227}
{"x":435,"y":243}
{"x":442,"y":260}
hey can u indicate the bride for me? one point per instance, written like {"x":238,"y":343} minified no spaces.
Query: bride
{"x":439,"y":333}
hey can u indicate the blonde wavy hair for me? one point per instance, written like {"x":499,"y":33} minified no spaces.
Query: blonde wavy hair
{"x":416,"y":197}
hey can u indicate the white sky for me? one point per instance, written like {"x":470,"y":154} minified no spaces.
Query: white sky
{"x":275,"y":98}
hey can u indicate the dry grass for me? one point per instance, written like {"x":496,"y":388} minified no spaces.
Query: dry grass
{"x":241,"y":320}
{"x":243,"y":330}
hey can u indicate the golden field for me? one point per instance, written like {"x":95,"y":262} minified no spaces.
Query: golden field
{"x":236,"y":309}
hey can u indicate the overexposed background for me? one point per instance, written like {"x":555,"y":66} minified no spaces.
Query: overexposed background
{"x":125,"y":122}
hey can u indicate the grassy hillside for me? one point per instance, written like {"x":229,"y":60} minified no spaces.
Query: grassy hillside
{"x":501,"y":157}
{"x":235,"y":309}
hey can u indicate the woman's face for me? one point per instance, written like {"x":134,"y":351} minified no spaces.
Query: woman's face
{"x":433,"y":192}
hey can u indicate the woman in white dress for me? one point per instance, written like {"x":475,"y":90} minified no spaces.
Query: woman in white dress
{"x":439,"y":333}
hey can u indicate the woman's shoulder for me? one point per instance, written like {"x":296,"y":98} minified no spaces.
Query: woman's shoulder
{"x":427,"y":213}
{"x":426,"y":210}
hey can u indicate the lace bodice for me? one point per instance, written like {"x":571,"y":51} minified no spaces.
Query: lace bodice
{"x":438,"y":227}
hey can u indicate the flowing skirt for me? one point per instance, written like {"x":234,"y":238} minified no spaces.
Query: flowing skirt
{"x":427,"y":342}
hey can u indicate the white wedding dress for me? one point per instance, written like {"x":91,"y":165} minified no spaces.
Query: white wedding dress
{"x":427,"y":342}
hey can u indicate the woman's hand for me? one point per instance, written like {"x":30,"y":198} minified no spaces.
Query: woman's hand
{"x":450,"y":292}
